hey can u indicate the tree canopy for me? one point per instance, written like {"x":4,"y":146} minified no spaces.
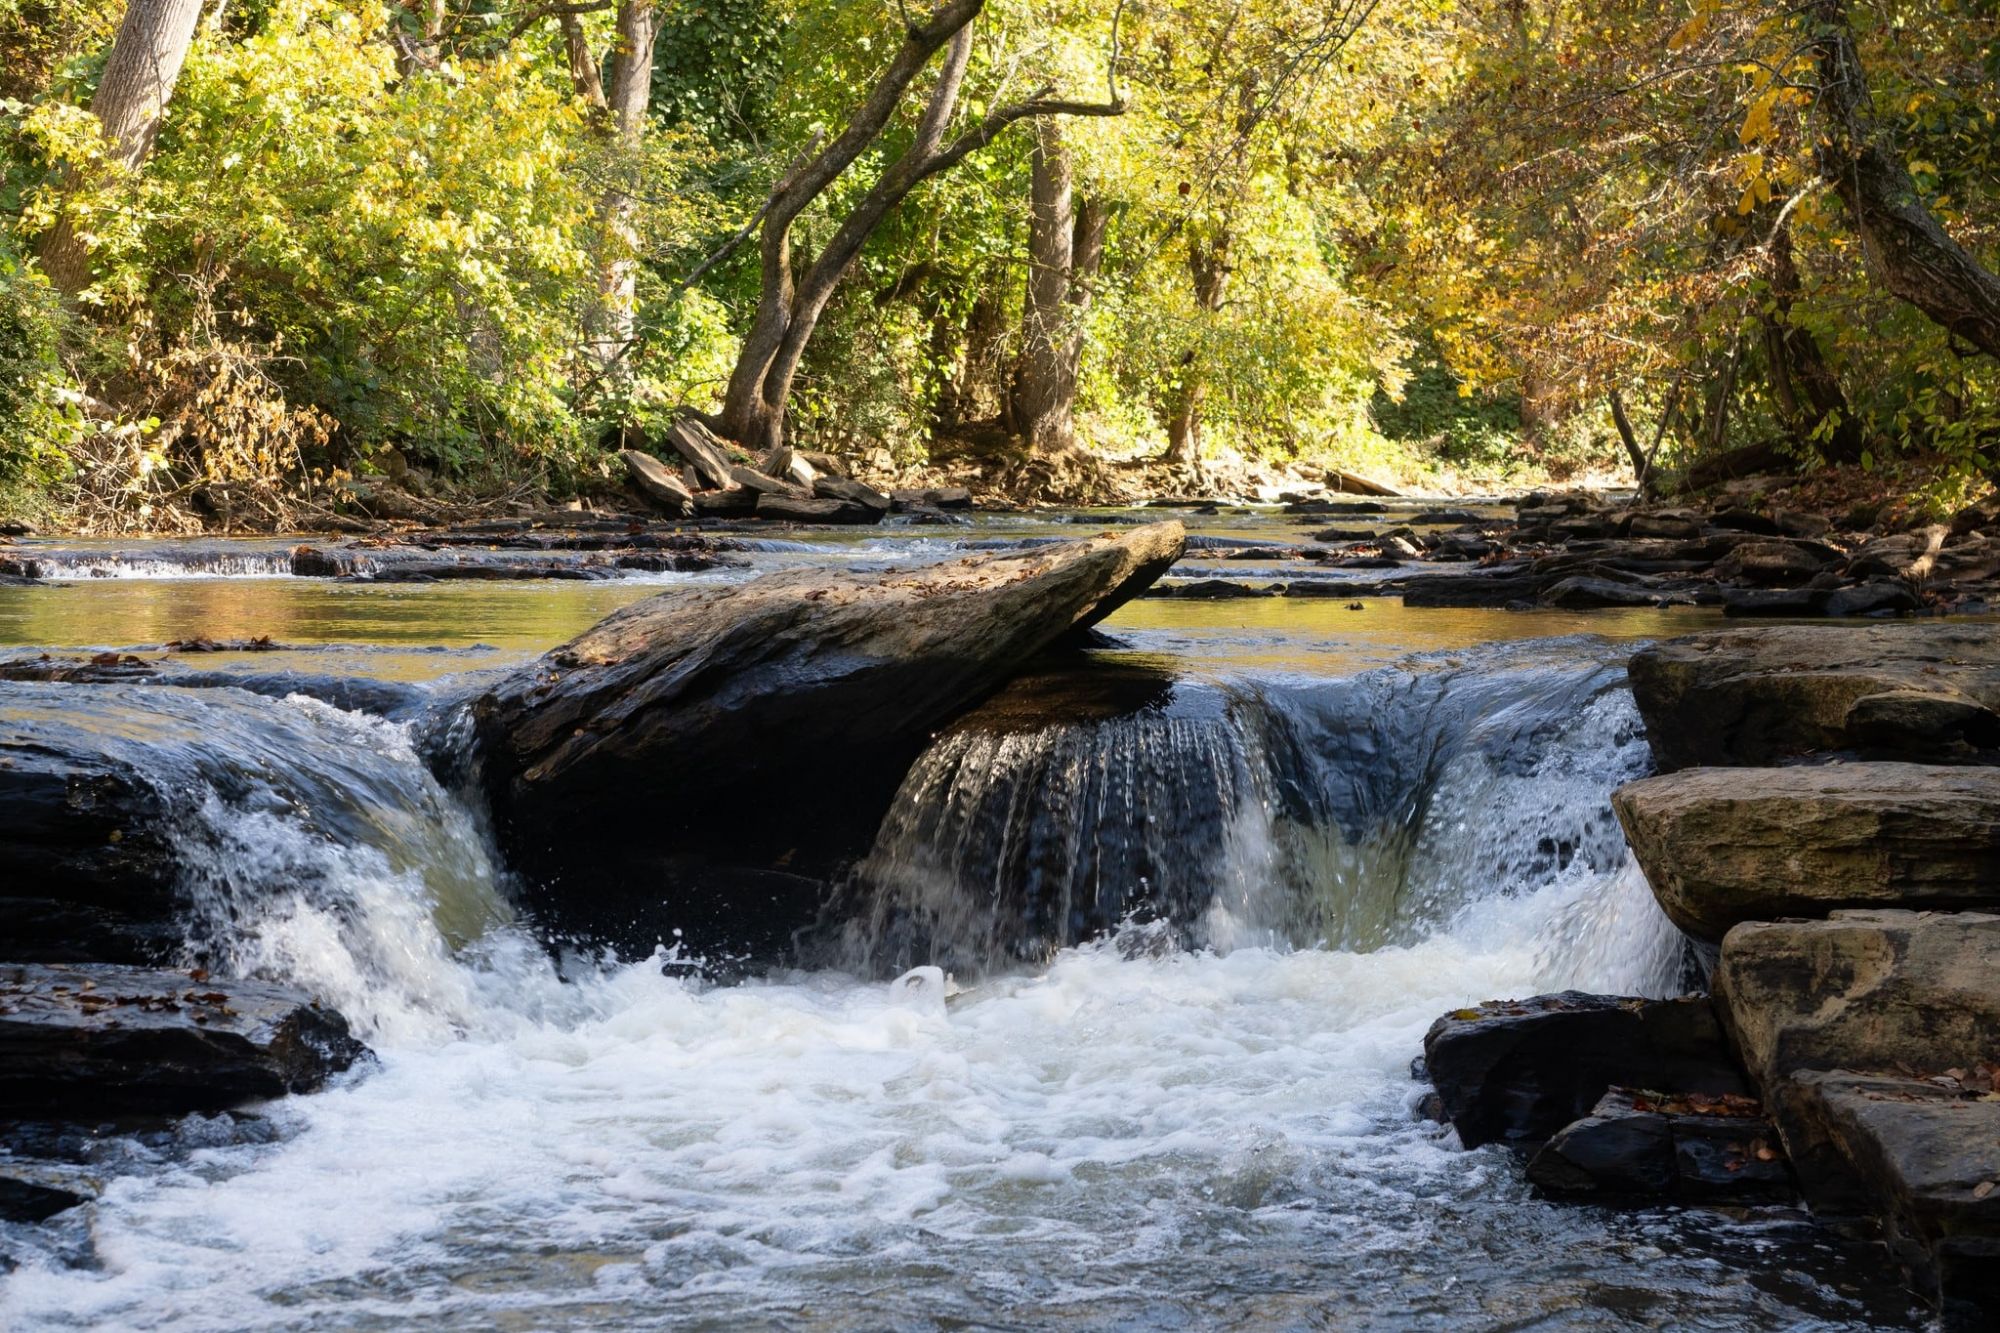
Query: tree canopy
{"x":279,"y":243}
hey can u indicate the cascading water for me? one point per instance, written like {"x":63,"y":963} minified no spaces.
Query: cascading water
{"x":1197,"y":1119}
{"x":1283,"y":811}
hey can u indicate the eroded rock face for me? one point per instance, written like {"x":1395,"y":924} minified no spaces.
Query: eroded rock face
{"x":1874,"y":990}
{"x":1726,"y":845}
{"x":1768,"y":695}
{"x":1518,"y":1071}
{"x":624,"y":765}
{"x":1927,"y":1155}
{"x":94,"y":1038}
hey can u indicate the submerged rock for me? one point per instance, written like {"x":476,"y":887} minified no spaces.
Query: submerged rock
{"x":1518,"y":1071}
{"x":1726,"y":845}
{"x":1761,"y":696}
{"x":104,"y":1037}
{"x":630,"y":755}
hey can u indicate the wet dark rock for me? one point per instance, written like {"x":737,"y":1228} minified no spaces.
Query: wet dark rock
{"x":20,"y":569}
{"x":1445,"y":517}
{"x":1518,"y":1071}
{"x":312,"y":562}
{"x":1745,"y":520}
{"x":1725,"y":845}
{"x":734,"y":502}
{"x":807,"y":691}
{"x":32,"y":1191}
{"x":108,"y":1037}
{"x":1764,"y":696}
{"x":1336,"y":536}
{"x":1647,"y":1146}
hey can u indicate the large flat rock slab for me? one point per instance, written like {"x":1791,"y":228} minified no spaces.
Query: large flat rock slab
{"x":725,"y":748}
{"x":95,"y":1038}
{"x":1762,"y":696}
{"x":1874,"y":990}
{"x":1726,"y":845}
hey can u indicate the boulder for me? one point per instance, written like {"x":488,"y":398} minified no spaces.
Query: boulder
{"x":1518,"y":1071}
{"x":853,"y":492}
{"x":752,"y":480}
{"x":1911,"y":992}
{"x":803,"y":695}
{"x":1582,"y":593}
{"x":1925,"y":1153}
{"x":1678,"y":524}
{"x":653,"y":479}
{"x":33,"y":1191}
{"x":105,"y":1037}
{"x":1726,"y":845}
{"x":707,"y":455}
{"x":1648,"y":1146}
{"x":931,"y":497}
{"x":1760,"y":696}
{"x":792,"y":509}
{"x":1780,"y":564}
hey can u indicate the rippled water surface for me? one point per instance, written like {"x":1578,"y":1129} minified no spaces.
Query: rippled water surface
{"x":1196,"y":1123}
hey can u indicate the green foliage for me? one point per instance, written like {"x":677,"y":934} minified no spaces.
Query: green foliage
{"x":1438,"y":410}
{"x":39,"y":417}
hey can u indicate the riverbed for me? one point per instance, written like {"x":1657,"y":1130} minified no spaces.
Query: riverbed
{"x":1197,"y":1123}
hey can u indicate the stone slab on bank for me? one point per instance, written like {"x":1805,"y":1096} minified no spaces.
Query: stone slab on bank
{"x":1726,"y":845}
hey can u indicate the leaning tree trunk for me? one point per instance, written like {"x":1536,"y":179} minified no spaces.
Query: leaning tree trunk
{"x":1908,"y":248}
{"x":131,"y":98}
{"x":1065,"y":249}
{"x":1805,"y":384}
{"x":1208,"y":268}
{"x":789,"y":306}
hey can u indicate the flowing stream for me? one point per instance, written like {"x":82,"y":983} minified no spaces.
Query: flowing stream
{"x":1115,"y":1031}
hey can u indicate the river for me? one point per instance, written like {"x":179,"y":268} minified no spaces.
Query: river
{"x":1348,"y":822}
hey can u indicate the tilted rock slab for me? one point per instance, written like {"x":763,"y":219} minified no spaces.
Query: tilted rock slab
{"x":1726,"y":845}
{"x":1886,"y":991}
{"x":1759,"y":696}
{"x":85,"y":1040}
{"x":757,"y":733}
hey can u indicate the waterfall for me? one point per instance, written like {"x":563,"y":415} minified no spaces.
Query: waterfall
{"x":1272,"y":810}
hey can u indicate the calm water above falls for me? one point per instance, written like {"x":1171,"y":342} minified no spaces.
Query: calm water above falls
{"x":1202,"y":1122}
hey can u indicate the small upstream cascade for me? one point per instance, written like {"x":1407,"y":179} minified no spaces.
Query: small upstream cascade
{"x":1166,"y":972}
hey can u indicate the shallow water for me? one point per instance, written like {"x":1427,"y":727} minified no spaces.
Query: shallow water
{"x":1203,"y":1128}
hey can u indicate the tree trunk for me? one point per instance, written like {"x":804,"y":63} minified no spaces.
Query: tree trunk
{"x":583,"y":74}
{"x":1907,"y":247}
{"x":789,"y":306}
{"x":614,"y":317}
{"x":146,"y":58}
{"x":1208,"y":268}
{"x":1065,"y":249}
{"x":1805,"y":385}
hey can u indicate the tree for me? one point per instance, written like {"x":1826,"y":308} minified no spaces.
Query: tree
{"x":1065,"y":251}
{"x":789,"y":307}
{"x":1908,"y":248}
{"x":130,"y":101}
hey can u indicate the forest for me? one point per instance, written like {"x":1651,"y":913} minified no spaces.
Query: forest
{"x":255,"y":254}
